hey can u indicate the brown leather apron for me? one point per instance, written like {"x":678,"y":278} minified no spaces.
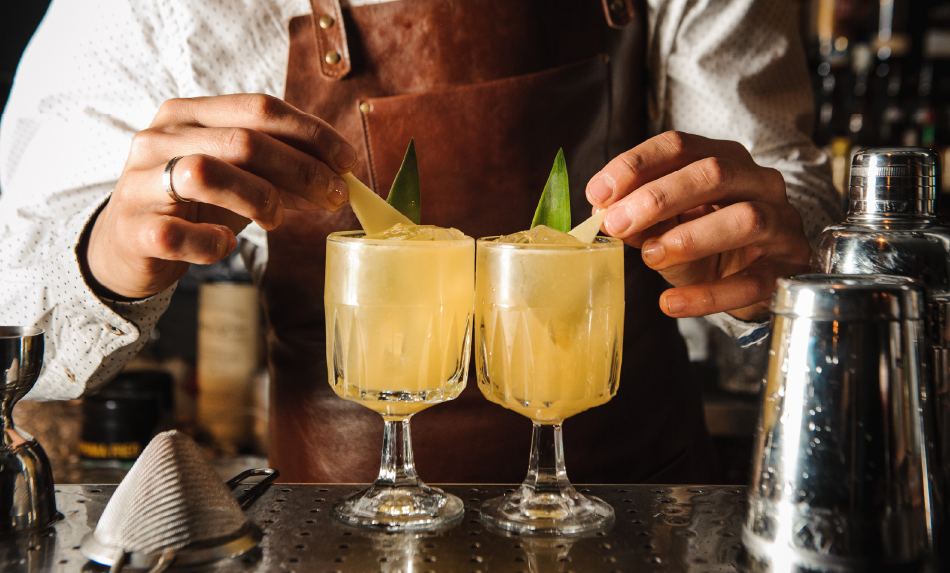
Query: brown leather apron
{"x":489,"y":90}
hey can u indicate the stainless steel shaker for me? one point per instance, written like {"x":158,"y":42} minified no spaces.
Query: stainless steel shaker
{"x":840,"y":472}
{"x":894,"y":228}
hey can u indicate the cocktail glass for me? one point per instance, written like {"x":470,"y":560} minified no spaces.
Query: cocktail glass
{"x":398,"y":319}
{"x":548,"y":339}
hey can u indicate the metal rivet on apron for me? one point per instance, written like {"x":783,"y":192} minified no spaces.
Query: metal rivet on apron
{"x":365,"y":107}
{"x":326,"y":21}
{"x":332,"y":57}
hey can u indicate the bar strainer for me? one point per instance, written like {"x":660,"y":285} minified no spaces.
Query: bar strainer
{"x":172,"y":508}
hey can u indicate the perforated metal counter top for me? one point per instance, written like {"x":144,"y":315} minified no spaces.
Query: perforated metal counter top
{"x":657,"y":529}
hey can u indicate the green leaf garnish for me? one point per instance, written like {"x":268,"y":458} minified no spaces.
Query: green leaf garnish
{"x":554,"y":208}
{"x":405,"y":193}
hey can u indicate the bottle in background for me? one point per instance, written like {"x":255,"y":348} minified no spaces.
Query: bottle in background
{"x":120,"y":419}
{"x":228,"y":356}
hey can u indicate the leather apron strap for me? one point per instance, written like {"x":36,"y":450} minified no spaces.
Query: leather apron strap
{"x":330,"y":32}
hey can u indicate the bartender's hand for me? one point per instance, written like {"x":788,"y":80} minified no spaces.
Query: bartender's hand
{"x":716,"y":225}
{"x":244,"y":158}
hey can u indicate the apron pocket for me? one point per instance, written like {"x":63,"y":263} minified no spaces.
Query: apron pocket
{"x":485,"y":150}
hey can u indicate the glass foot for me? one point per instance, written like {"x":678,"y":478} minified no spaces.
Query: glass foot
{"x":400,"y":508}
{"x":564,"y":512}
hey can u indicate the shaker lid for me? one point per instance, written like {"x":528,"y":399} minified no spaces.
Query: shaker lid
{"x":849,"y":297}
{"x":894,"y":181}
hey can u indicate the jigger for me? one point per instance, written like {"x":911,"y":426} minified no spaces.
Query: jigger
{"x":27,"y":500}
{"x":840,"y":471}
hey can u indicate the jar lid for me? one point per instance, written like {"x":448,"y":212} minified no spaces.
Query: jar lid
{"x":894,"y":182}
{"x":849,"y":297}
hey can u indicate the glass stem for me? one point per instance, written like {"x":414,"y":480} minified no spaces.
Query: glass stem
{"x":546,"y":472}
{"x":397,"y":468}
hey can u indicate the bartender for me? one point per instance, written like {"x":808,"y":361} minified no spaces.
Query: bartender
{"x":136,"y":142}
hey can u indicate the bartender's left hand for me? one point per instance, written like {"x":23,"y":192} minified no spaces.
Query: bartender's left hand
{"x":716,"y":225}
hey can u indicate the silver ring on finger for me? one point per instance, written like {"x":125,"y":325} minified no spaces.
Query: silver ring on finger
{"x":167,"y":181}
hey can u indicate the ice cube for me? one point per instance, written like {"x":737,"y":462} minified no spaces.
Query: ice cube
{"x":541,"y":235}
{"x":403,"y":232}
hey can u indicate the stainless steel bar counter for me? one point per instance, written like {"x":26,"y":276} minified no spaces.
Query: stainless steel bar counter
{"x":657,"y":528}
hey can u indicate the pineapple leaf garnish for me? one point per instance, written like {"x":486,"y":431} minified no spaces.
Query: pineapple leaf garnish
{"x":554,"y":208}
{"x":405,"y":192}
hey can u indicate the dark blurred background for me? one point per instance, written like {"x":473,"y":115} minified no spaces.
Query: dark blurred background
{"x":20,"y":19}
{"x":881,"y":76}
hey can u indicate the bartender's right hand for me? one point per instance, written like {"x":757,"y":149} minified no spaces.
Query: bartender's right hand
{"x":243,"y":158}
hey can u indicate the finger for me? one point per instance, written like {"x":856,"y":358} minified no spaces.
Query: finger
{"x":710,"y":181}
{"x":206,"y":179}
{"x":298,"y":203}
{"x":207,"y":213}
{"x":729,"y":228}
{"x":173,"y":239}
{"x":287,"y":168}
{"x":751,"y":286}
{"x":654,"y":158}
{"x":636,"y":240}
{"x":265,"y":114}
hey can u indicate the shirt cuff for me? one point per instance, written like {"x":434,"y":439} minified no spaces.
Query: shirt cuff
{"x":746,"y":333}
{"x":88,"y":339}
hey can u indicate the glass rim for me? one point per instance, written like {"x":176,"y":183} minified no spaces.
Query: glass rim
{"x":352,"y":236}
{"x":13,"y":331}
{"x":599,"y":243}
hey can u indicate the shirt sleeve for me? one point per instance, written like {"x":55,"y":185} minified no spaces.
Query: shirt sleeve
{"x":94,"y":74}
{"x":88,"y":339}
{"x":735,"y":70}
{"x":78,"y":98}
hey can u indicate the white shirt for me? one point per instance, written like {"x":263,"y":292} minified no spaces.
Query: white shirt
{"x":97,"y":71}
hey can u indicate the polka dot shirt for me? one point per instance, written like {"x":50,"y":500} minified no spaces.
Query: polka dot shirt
{"x":96,"y":72}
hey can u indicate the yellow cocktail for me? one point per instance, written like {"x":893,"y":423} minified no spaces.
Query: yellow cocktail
{"x":398,"y":326}
{"x":398,"y":320}
{"x":550,"y":326}
{"x":548,"y":340}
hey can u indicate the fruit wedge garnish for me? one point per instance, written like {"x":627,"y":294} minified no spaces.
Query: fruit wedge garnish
{"x":374,"y":213}
{"x":587,"y":231}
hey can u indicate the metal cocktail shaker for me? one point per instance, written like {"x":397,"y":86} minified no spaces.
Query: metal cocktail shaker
{"x":893,"y":228}
{"x":840,"y":470}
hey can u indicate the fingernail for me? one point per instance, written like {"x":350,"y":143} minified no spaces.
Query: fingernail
{"x":274,"y":209}
{"x":653,"y":252}
{"x":225,"y":243}
{"x":338,"y":193}
{"x":345,"y":156}
{"x":675,"y":303}
{"x":618,"y":220}
{"x":601,"y":189}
